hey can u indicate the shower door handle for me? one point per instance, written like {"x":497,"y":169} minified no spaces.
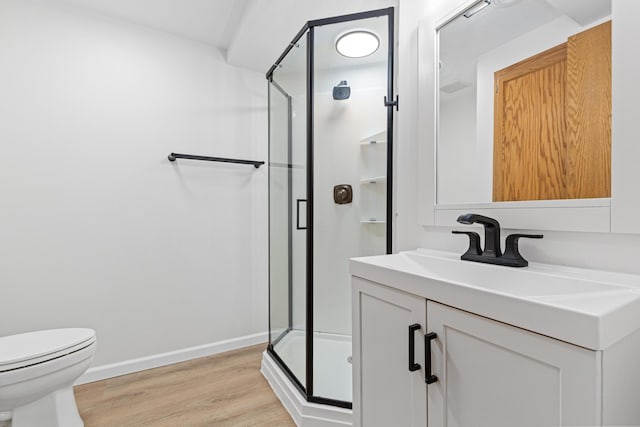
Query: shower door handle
{"x":395,"y":103}
{"x":298,"y":227}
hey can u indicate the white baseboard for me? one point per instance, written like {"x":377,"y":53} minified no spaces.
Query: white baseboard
{"x":154,"y":361}
{"x":304,"y":414}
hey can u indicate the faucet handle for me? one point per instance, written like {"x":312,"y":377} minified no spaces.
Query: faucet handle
{"x":511,"y":251}
{"x":474,"y":242}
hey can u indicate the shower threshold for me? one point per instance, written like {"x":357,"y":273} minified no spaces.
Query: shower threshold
{"x":332,"y":377}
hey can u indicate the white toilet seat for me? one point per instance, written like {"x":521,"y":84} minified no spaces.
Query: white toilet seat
{"x":22,"y":350}
{"x":35,"y":354}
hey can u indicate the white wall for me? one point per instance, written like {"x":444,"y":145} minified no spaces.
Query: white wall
{"x":407,"y":232}
{"x":458,"y":178}
{"x":610,"y":251}
{"x":97,"y":228}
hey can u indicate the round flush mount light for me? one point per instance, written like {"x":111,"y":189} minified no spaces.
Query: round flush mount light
{"x":357,"y":44}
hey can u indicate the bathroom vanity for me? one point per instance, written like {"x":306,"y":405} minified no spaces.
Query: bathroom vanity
{"x":500,"y":347}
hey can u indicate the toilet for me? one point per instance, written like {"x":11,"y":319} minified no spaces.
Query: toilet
{"x":37,"y":372}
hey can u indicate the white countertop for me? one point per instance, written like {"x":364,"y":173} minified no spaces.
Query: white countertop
{"x":590,"y":308}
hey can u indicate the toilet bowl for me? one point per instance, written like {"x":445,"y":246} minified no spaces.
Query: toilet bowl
{"x":37,"y":372}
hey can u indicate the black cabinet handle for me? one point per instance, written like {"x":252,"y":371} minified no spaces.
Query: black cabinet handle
{"x":429,"y":378}
{"x":413,"y":366}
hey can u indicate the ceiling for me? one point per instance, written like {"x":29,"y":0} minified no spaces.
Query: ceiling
{"x":210,"y":21}
{"x":252,"y":32}
{"x":270,"y":25}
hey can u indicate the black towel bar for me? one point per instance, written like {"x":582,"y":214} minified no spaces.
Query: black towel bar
{"x":174,"y":156}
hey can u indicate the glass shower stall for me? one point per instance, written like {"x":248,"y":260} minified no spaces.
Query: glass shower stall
{"x":330,"y":191}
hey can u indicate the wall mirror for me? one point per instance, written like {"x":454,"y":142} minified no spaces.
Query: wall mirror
{"x":524,"y":103}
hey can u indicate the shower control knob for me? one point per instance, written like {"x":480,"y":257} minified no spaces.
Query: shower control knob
{"x":342,"y":194}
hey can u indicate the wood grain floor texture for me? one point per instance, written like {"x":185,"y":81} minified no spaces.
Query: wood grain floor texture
{"x":222,"y":390}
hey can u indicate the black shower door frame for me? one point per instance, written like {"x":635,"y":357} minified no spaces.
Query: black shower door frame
{"x":390,"y":103}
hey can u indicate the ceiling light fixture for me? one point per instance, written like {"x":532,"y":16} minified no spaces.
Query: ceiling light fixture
{"x":477,"y":8}
{"x":357,"y":44}
{"x":505,"y":3}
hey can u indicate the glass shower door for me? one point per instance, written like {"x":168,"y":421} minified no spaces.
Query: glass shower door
{"x":288,"y":212}
{"x":351,"y":143}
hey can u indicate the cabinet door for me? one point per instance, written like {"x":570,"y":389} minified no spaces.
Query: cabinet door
{"x":494,"y":375}
{"x":529,"y":115}
{"x":385,"y":392}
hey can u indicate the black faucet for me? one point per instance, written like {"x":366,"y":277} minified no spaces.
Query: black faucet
{"x":492,"y":253}
{"x":491,"y":233}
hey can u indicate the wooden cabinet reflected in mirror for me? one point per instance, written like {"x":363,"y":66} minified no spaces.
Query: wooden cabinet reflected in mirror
{"x":552,"y":122}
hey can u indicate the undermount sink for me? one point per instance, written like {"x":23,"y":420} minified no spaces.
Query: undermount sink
{"x":530,"y":283}
{"x":589,"y":308}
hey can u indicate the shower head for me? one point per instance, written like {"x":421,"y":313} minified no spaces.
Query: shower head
{"x":342,"y":91}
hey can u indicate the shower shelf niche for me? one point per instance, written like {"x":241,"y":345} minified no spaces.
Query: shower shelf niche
{"x":374,"y":180}
{"x":378,"y":138}
{"x":373,"y":194}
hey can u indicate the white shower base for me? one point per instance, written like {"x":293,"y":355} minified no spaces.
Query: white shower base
{"x":332,"y":377}
{"x":332,"y":370}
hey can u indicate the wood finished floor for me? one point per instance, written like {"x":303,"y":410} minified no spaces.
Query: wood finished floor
{"x":222,"y":390}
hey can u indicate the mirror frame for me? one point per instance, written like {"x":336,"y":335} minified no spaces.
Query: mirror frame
{"x":619,"y":214}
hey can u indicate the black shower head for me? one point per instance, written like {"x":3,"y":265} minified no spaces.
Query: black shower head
{"x":342,"y":91}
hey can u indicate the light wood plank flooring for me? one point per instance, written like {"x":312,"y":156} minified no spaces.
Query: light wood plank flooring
{"x":222,"y":390}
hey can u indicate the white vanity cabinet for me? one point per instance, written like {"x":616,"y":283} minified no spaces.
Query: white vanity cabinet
{"x":488,"y":373}
{"x":493,"y":374}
